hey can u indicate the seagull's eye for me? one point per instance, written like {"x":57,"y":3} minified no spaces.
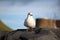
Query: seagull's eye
{"x":28,"y":13}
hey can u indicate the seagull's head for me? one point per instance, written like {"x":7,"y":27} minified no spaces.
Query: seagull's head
{"x":30,"y":13}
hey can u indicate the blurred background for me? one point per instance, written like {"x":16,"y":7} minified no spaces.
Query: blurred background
{"x":14,"y":12}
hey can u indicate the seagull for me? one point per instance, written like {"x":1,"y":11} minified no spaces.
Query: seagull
{"x":29,"y":22}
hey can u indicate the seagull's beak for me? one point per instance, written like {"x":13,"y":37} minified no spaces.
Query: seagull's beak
{"x":30,"y":14}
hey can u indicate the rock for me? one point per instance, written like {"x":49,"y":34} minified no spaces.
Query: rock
{"x":43,"y":34}
{"x":57,"y":32}
{"x":14,"y":35}
{"x":3,"y":34}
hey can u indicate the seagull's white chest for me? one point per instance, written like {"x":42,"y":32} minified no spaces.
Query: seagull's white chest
{"x":30,"y":22}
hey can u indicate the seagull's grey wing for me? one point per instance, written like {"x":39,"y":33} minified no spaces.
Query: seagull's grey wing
{"x":25,"y":22}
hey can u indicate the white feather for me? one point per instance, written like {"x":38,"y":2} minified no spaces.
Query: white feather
{"x":29,"y":21}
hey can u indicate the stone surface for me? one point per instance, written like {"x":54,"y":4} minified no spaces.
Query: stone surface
{"x":43,"y":34}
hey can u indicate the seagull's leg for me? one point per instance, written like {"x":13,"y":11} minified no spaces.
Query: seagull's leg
{"x":30,"y":29}
{"x":27,"y":29}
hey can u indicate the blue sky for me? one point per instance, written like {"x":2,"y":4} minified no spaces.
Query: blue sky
{"x":13,"y":13}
